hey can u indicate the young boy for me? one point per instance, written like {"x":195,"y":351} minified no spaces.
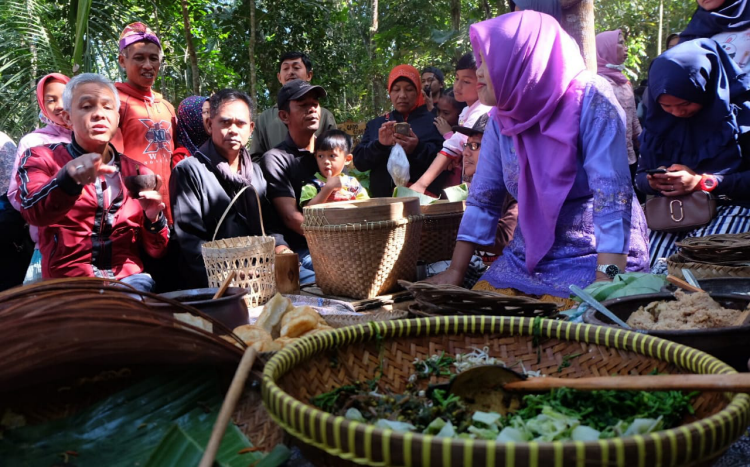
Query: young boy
{"x":449,"y":157}
{"x":147,"y":121}
{"x":332,"y":153}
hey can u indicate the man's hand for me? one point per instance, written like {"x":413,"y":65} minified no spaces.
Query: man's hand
{"x":385,"y":134}
{"x":85,"y":169}
{"x":428,"y":101}
{"x":151,"y":204}
{"x":409,"y":143}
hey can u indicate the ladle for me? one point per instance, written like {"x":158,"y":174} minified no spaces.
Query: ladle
{"x":494,"y":388}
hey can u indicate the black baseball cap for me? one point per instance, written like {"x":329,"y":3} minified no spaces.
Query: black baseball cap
{"x":477,"y":129}
{"x":295,"y":89}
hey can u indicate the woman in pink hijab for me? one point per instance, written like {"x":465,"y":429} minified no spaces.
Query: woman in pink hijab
{"x":556,"y":143}
{"x":49,"y":92}
{"x":611,"y":52}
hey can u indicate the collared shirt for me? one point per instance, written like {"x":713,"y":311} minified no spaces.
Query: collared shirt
{"x":287,"y":169}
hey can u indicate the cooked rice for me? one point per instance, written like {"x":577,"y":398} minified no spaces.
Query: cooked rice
{"x":690,"y":311}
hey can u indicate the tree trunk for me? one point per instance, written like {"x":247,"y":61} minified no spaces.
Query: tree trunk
{"x":251,"y":52}
{"x":191,"y":49}
{"x":375,"y":79}
{"x":487,"y":9}
{"x":456,"y":14}
{"x":578,"y":21}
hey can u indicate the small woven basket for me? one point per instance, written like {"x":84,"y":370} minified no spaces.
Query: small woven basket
{"x":325,"y":361}
{"x":363,"y":258}
{"x":676,"y":263}
{"x":439,"y":230}
{"x":251,"y":259}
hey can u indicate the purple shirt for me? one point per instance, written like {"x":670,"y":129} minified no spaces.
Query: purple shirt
{"x":598,"y":215}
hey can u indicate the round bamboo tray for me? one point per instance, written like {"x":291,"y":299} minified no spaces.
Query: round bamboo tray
{"x":305,"y":369}
{"x":676,"y":263}
{"x":439,"y":230}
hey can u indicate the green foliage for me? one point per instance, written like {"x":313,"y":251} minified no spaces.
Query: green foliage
{"x":351,"y":58}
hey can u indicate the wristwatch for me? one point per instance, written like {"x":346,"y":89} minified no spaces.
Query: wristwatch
{"x":611,"y":270}
{"x":708,"y":182}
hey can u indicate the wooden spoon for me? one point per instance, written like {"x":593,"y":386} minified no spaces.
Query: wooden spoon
{"x":227,"y":407}
{"x":224,"y":285}
{"x":682,"y":284}
{"x":493,"y":388}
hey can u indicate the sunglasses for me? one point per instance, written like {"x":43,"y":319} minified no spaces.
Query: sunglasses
{"x":472,"y":146}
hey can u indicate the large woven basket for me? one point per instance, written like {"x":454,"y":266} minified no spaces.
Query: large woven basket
{"x":307,"y":369}
{"x":360,"y":249}
{"x":676,"y":263}
{"x":439,"y":230}
{"x":251,"y":259}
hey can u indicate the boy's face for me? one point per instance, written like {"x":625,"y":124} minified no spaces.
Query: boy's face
{"x":141,"y":64}
{"x":331,"y":162}
{"x":465,"y":86}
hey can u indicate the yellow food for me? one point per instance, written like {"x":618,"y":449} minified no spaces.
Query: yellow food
{"x":690,"y":311}
{"x":253,"y":336}
{"x":273,"y":311}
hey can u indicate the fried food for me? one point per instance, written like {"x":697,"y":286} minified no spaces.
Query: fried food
{"x":284,"y":341}
{"x":253,"y":336}
{"x":690,"y":311}
{"x":273,"y":311}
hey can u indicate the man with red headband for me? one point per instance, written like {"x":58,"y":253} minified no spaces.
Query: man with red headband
{"x":147,"y":121}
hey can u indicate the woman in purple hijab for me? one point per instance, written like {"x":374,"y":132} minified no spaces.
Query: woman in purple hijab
{"x":556,"y":142}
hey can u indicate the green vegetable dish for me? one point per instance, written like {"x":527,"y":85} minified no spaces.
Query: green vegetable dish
{"x":559,"y":415}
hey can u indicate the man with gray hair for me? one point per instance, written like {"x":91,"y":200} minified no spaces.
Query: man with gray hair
{"x":90,"y":224}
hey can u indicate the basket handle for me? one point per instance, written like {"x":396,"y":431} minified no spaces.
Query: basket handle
{"x":231,"y":203}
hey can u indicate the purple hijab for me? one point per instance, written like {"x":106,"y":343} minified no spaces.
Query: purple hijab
{"x":538,"y":75}
{"x":606,"y":54}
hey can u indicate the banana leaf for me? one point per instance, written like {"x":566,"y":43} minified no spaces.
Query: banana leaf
{"x":128,"y":428}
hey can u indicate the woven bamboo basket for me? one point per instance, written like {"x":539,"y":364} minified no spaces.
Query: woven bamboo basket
{"x":718,"y":249}
{"x":676,"y":263}
{"x":251,"y":259}
{"x":304,"y":370}
{"x":439,"y":230}
{"x":360,"y":249}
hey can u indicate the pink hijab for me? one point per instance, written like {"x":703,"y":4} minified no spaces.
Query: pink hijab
{"x":44,"y":115}
{"x":539,"y":78}
{"x":606,"y":54}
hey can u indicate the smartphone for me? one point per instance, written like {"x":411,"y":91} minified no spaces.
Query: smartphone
{"x":402,"y":128}
{"x":656,"y":171}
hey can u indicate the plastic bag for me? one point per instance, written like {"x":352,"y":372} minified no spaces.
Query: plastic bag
{"x":398,"y":166}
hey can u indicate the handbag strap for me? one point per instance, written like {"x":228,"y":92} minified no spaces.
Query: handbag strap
{"x":231,"y":203}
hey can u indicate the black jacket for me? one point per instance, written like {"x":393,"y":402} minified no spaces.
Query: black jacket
{"x":371,"y":155}
{"x":201,"y":188}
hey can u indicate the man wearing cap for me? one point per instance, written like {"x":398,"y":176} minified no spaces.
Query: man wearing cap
{"x":147,"y":121}
{"x":291,"y":164}
{"x":507,"y":223}
{"x":270,"y":131}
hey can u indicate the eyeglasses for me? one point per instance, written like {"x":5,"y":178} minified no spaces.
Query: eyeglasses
{"x":472,"y":146}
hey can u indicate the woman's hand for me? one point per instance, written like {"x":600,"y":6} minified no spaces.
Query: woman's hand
{"x":409,"y":143}
{"x":385,"y":134}
{"x":442,"y":125}
{"x":449,"y":276}
{"x":679,"y":180}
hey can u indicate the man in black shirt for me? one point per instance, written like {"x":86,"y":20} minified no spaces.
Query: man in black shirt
{"x":291,"y":164}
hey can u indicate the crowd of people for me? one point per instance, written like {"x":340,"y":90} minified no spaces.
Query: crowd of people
{"x":117,"y":184}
